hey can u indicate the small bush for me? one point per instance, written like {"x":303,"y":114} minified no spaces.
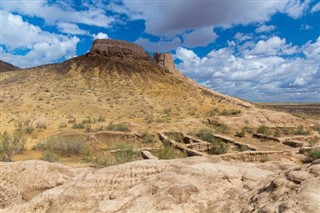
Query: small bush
{"x":148,"y":138}
{"x":41,"y":125}
{"x":277,"y":133}
{"x":62,"y":125}
{"x":312,"y":142}
{"x":49,"y":156}
{"x":314,"y":155}
{"x":241,"y":134}
{"x":11,"y":144}
{"x":243,"y":148}
{"x":301,"y":131}
{"x":101,"y":118}
{"x":176,"y":136}
{"x":218,"y":127}
{"x":126,"y":153}
{"x":167,"y":152}
{"x":78,"y":126}
{"x":263,"y":130}
{"x":102,"y":160}
{"x":206,"y":135}
{"x":226,"y":112}
{"x":118,"y":127}
{"x":218,"y":147}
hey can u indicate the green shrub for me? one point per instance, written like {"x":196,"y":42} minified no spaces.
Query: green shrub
{"x":243,"y":148}
{"x":126,"y":153}
{"x":263,"y":130}
{"x":11,"y":144}
{"x":101,"y":118}
{"x":41,"y":125}
{"x":277,"y":133}
{"x":218,"y":127}
{"x":241,"y":134}
{"x":226,"y":112}
{"x":314,"y":154}
{"x":102,"y":160}
{"x":49,"y":156}
{"x":62,"y":125}
{"x":218,"y":147}
{"x":78,"y":126}
{"x":301,"y":131}
{"x":312,"y":142}
{"x":176,"y":136}
{"x":206,"y":135}
{"x":167,"y":152}
{"x":148,"y":138}
{"x":118,"y":127}
{"x":65,"y":146}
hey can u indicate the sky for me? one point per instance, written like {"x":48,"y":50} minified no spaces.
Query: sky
{"x":258,"y":50}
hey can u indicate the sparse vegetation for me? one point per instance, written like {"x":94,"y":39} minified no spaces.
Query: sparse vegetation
{"x":176,"y":136}
{"x":218,"y":127}
{"x":224,"y":112}
{"x":12,"y":143}
{"x":312,"y":142}
{"x":78,"y":126}
{"x":167,"y":152}
{"x":218,"y":147}
{"x":148,"y":138}
{"x":49,"y":156}
{"x":263,"y":130}
{"x":118,"y":127}
{"x":314,"y":155}
{"x":101,"y":118}
{"x":64,"y":145}
{"x":301,"y":130}
{"x":206,"y":135}
{"x":241,"y":133}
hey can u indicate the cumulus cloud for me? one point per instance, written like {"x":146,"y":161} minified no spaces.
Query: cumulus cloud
{"x":173,"y":17}
{"x":100,"y":36}
{"x":265,"y":28}
{"x":69,"y":28}
{"x":257,"y":77}
{"x":40,"y":46}
{"x":315,"y":8}
{"x":200,"y":37}
{"x":242,"y":37}
{"x":159,"y":46}
{"x":305,"y":27}
{"x":59,"y":12}
{"x":273,"y":46}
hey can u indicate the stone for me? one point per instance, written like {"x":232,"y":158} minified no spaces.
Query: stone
{"x":165,"y":60}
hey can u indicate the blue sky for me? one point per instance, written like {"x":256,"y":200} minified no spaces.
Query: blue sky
{"x":256,"y":50}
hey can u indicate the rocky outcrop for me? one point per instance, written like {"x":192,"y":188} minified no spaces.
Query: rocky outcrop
{"x":196,"y":184}
{"x":109,"y":47}
{"x":165,"y":60}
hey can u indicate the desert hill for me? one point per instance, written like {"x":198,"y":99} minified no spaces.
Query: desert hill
{"x":4,"y":66}
{"x":121,"y":82}
{"x":118,"y":108}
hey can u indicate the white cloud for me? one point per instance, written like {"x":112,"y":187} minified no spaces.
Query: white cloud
{"x":296,"y":8}
{"x":100,"y":36}
{"x":272,"y":46}
{"x":200,"y":37}
{"x":71,"y":29}
{"x":242,"y":37}
{"x":159,"y":46}
{"x":265,"y":28}
{"x":257,"y":77}
{"x":59,"y":12}
{"x":315,"y":8}
{"x":173,"y":17}
{"x":40,"y":46}
{"x":305,"y":27}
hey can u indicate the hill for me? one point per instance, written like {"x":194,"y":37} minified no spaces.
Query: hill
{"x":4,"y":66}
